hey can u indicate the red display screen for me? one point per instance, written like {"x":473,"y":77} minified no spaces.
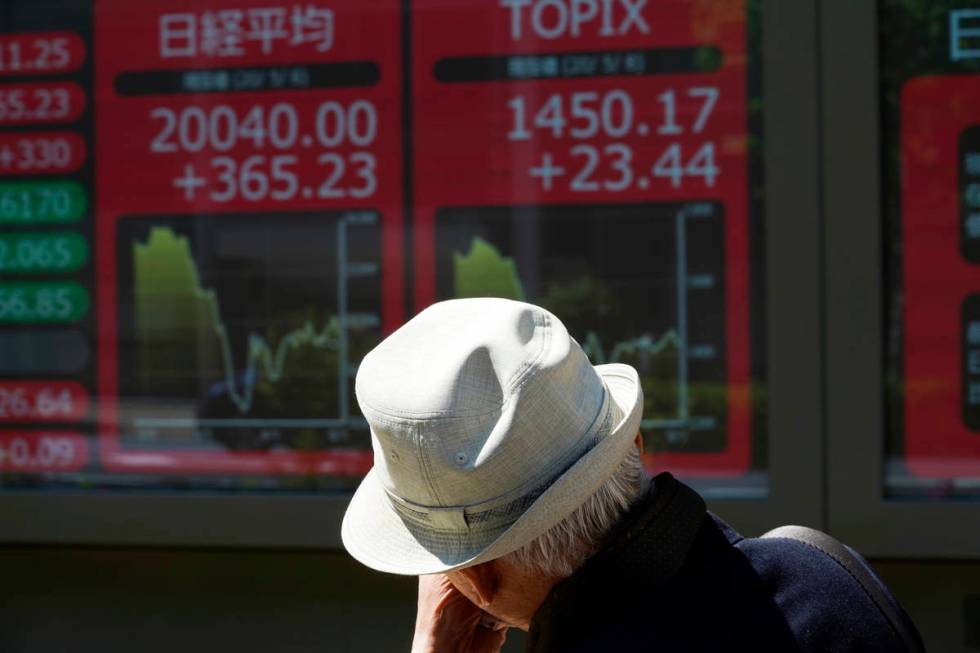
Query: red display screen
{"x":931,"y":270}
{"x":209,"y":212}
{"x":258,"y":249}
{"x":593,"y":157}
{"x":941,"y":232}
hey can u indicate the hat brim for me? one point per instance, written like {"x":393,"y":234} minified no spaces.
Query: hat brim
{"x":376,"y":535}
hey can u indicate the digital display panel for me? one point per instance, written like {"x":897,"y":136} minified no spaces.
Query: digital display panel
{"x":47,"y":284}
{"x":257,"y":252}
{"x":931,"y":115}
{"x":594,"y":158}
{"x":210,"y":212}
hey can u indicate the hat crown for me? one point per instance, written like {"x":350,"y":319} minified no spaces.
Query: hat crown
{"x":476,"y":402}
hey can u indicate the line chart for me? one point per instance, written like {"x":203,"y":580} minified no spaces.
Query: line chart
{"x":244,"y":330}
{"x":642,"y":345}
{"x":641,"y":285}
{"x":260,"y":352}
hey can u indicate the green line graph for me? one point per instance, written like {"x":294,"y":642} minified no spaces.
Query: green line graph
{"x":644,"y":345}
{"x":641,"y":285}
{"x":171,"y":298}
{"x":484,"y":272}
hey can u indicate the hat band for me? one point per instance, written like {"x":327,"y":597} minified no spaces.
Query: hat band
{"x":501,"y":512}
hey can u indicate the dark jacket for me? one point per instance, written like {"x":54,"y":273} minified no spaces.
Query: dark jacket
{"x":673,"y":577}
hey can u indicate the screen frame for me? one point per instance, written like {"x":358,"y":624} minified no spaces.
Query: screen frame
{"x":796,"y":491}
{"x":854,"y":297}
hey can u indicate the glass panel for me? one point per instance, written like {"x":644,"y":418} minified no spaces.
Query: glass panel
{"x":211,"y":212}
{"x":930,"y":61}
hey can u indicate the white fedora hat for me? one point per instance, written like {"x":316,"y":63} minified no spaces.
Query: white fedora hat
{"x":489,"y":426}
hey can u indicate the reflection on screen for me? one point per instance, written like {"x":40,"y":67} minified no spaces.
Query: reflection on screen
{"x":209,"y":213}
{"x":930,"y":65}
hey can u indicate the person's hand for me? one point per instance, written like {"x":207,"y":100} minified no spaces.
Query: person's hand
{"x":447,"y":622}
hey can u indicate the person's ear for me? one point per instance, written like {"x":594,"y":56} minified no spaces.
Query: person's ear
{"x":639,"y":441}
{"x":479,"y":582}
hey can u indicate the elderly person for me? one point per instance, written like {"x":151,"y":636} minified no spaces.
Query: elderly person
{"x":507,"y":476}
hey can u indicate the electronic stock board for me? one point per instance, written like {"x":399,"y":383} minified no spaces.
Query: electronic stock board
{"x":932,"y":136}
{"x":209,"y":212}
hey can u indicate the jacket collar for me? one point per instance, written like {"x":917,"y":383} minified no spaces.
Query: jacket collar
{"x":650,"y":543}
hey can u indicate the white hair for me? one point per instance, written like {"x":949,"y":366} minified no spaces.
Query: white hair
{"x":569,"y":543}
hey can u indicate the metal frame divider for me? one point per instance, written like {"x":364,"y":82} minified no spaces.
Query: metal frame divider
{"x":792,"y":226}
